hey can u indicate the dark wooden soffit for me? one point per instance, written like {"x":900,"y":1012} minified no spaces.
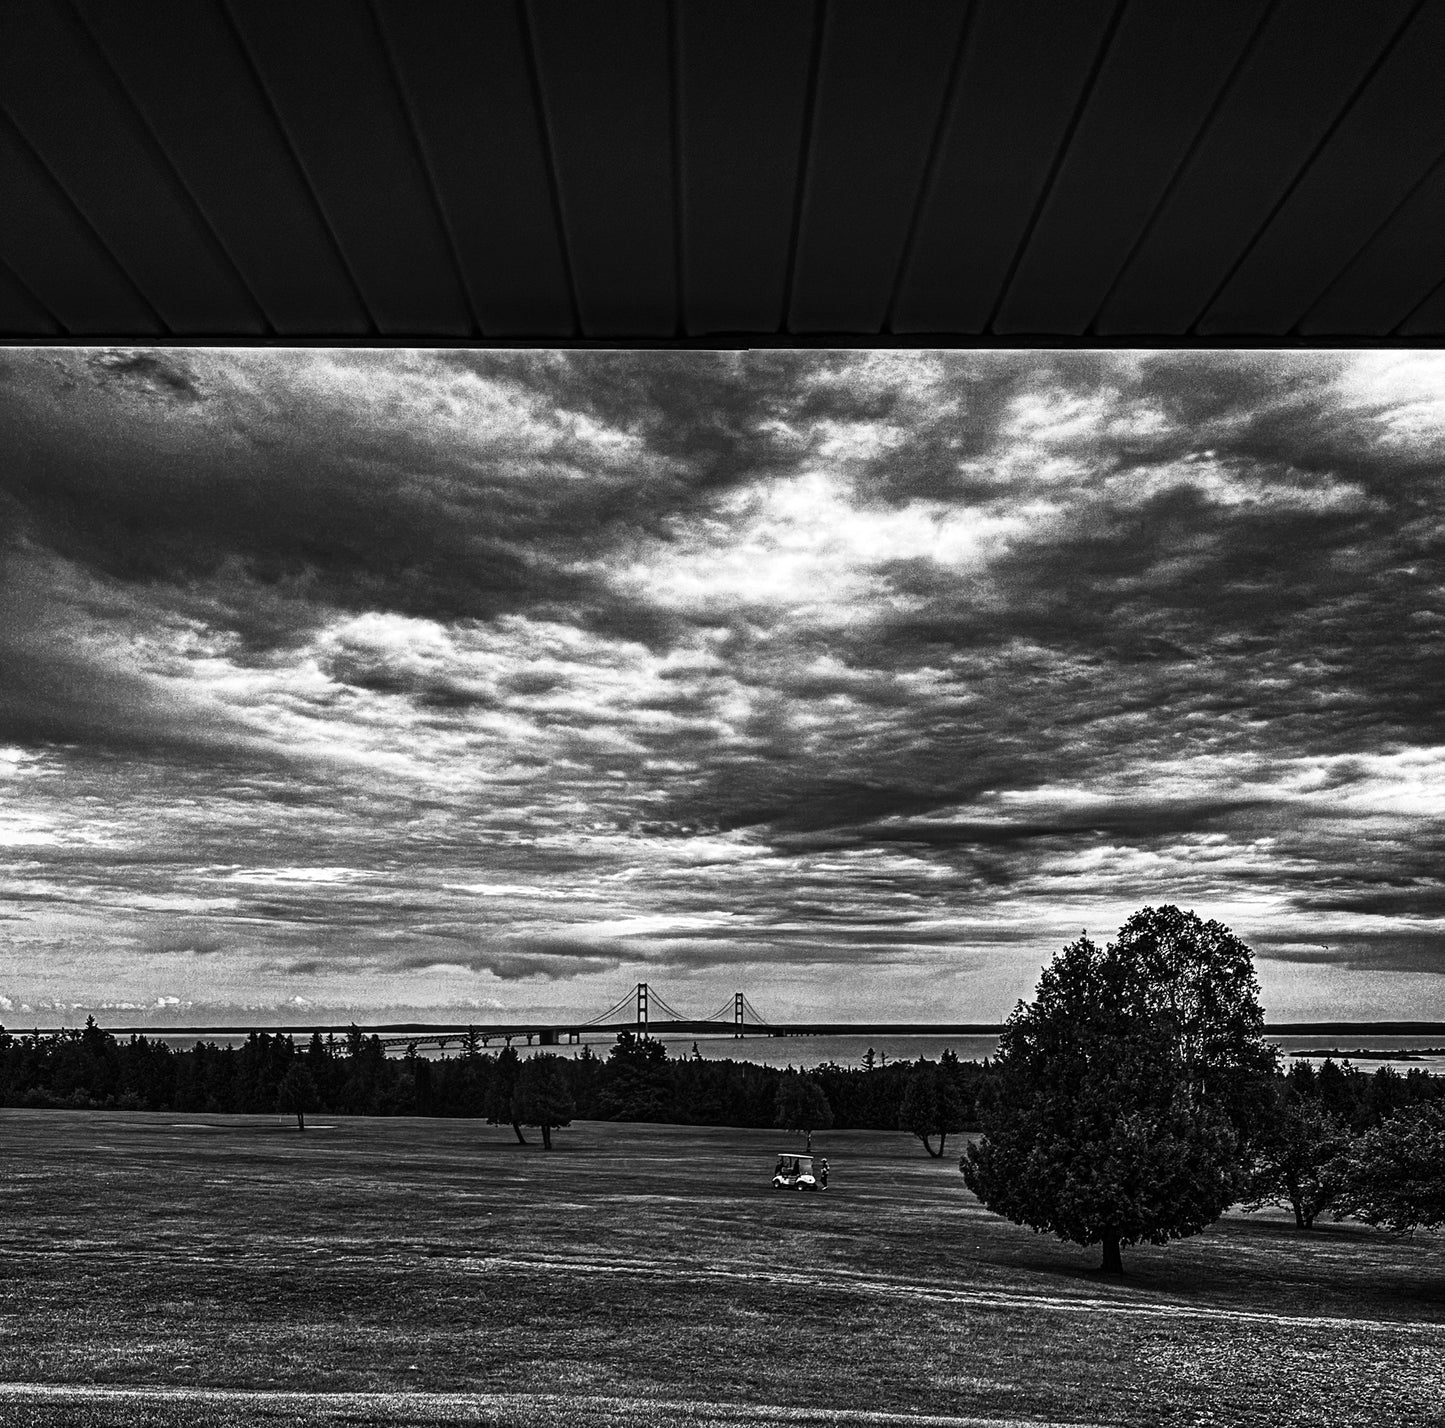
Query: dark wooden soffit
{"x":730,"y":170}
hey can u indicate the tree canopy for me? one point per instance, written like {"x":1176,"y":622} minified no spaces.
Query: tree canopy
{"x":1295,"y":1161}
{"x":932,"y":1105}
{"x":501,"y":1091}
{"x":802,"y":1105}
{"x":638,"y":1086}
{"x":1394,"y":1174}
{"x":542,"y":1097}
{"x":297,"y":1092}
{"x":1125,"y":1093}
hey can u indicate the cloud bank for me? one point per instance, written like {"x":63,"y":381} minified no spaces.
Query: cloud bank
{"x":857,"y":680}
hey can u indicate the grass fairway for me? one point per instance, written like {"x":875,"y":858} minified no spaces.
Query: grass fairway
{"x":181,"y":1269}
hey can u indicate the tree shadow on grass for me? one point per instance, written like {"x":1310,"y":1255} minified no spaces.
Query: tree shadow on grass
{"x":1337,"y":1269}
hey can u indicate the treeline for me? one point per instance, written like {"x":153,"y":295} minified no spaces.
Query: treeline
{"x":89,"y":1068}
{"x":1366,"y":1145}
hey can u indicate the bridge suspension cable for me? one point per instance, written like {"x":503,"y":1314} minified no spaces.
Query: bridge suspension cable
{"x":751,"y":1013}
{"x":617,"y":1009}
{"x":658,"y":1002}
{"x":723,"y":1013}
{"x":641,"y":1006}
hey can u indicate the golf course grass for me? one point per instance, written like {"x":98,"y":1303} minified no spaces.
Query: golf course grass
{"x":181,"y":1269}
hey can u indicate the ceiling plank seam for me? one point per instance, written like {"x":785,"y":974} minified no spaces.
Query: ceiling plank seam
{"x":388,"y":57}
{"x":170,"y":169}
{"x":87,"y":226}
{"x":805,"y":154}
{"x":1182,"y":170}
{"x":930,"y":167}
{"x":253,"y":70}
{"x":549,"y":152}
{"x":1075,"y":119}
{"x":1361,"y":249}
{"x":1324,"y":140}
{"x":679,"y":169}
{"x":29,"y":293}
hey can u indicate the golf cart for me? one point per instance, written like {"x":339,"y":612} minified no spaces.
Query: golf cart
{"x":801,"y":1172}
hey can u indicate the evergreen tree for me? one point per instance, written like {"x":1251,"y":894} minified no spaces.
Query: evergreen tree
{"x":931,"y":1106}
{"x":584,"y":1075}
{"x":1334,"y":1085}
{"x":801,"y":1106}
{"x":501,"y":1091}
{"x":636,"y":1081}
{"x":1121,"y":1097}
{"x":1385,"y":1093}
{"x":421,"y":1082}
{"x":297,"y":1092}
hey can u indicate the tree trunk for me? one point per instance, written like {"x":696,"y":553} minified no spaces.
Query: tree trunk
{"x":546,"y":1137}
{"x":521,"y":1139}
{"x":1113,"y":1262}
{"x":300,"y":1120}
{"x":809,"y":1145}
{"x":1299,"y":1216}
{"x":942,"y":1141}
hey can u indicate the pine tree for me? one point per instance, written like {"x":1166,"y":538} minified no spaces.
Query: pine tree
{"x":297,"y":1092}
{"x":501,"y":1088}
{"x":636,"y":1085}
{"x":801,"y":1105}
{"x":931,"y":1106}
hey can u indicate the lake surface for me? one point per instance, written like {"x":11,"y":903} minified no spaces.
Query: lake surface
{"x":1366,"y":1051}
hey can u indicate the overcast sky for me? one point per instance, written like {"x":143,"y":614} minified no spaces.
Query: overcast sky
{"x":859,"y":681}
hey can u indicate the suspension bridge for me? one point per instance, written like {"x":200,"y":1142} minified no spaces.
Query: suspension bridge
{"x":643,"y":1011}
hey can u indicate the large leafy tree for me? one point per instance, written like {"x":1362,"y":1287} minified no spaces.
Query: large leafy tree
{"x":1394,"y":1174}
{"x":542,"y":1097}
{"x":1296,"y":1159}
{"x":1125,"y":1093}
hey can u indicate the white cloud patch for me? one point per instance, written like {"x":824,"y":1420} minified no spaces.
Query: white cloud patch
{"x":418,"y":678}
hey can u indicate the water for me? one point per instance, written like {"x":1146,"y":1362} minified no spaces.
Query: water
{"x":1366,"y":1051}
{"x":804,"y":1052}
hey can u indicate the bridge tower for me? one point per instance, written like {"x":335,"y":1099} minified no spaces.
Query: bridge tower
{"x":642,"y":1008}
{"x":737,"y":1016}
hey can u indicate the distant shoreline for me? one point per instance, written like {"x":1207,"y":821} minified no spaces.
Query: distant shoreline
{"x":1292,"y":1028}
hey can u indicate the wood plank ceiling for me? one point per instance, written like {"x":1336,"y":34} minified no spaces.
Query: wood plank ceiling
{"x":727,"y":170}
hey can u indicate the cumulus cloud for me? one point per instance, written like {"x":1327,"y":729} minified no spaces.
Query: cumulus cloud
{"x":359,"y":673}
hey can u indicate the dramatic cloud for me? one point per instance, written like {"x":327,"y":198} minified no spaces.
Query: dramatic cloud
{"x":859,"y":681}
